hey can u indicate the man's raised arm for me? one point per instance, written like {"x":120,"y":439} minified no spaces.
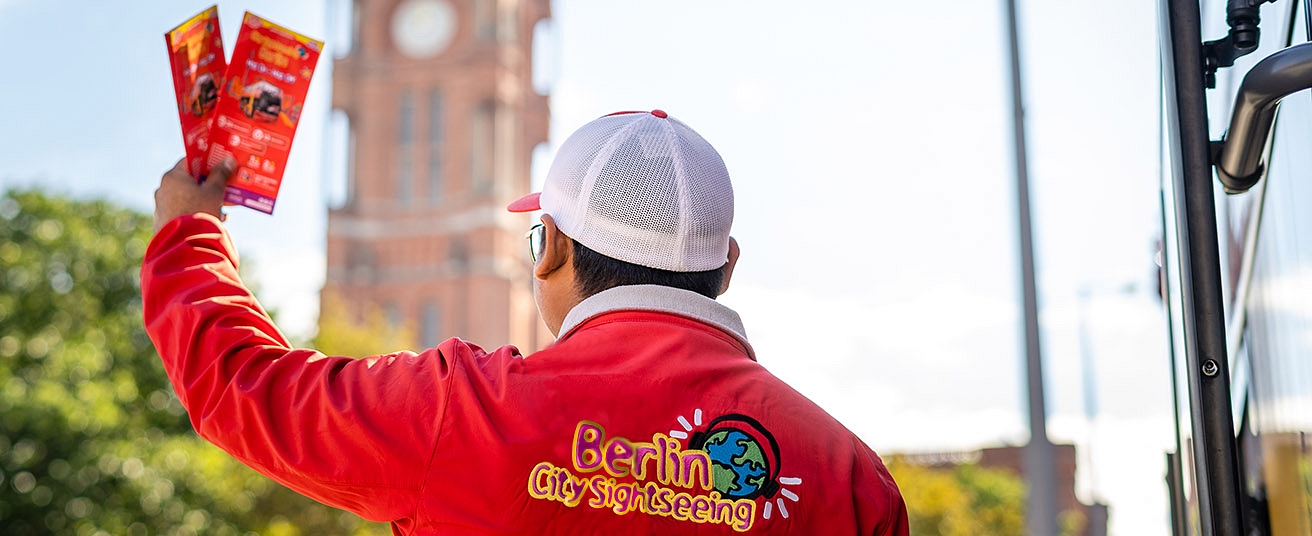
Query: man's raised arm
{"x":355,"y":434}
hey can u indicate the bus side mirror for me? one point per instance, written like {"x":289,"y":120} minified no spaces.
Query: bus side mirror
{"x":1238,"y":156}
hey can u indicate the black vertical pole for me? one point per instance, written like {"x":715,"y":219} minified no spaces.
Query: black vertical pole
{"x":1175,"y":493}
{"x":1040,"y":461}
{"x":1203,"y":309}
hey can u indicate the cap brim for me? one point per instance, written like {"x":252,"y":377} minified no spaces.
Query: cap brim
{"x":528,"y":203}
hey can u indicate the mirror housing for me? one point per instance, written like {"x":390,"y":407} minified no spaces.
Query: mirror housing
{"x":1238,"y":156}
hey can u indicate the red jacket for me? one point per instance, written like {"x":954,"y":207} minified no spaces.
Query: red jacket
{"x":649,"y":415}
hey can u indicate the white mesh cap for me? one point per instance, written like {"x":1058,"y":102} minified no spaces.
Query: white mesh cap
{"x":643,"y":188}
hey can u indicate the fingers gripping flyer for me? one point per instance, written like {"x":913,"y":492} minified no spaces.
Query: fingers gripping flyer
{"x":258,"y":106}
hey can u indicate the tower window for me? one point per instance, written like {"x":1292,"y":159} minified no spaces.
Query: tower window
{"x":432,"y":325}
{"x":360,"y":264}
{"x":507,"y":30}
{"x":342,"y":151}
{"x":458,"y":253}
{"x":434,"y":146}
{"x":351,"y":177}
{"x":405,"y":149}
{"x":353,"y":38}
{"x":484,"y":146}
{"x":393,"y":313}
{"x":485,"y":19}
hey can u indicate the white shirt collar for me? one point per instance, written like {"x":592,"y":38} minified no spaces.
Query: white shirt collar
{"x":658,"y":298}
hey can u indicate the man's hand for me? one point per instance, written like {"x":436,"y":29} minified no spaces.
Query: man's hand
{"x":179,"y":195}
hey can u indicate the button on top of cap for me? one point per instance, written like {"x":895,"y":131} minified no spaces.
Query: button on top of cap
{"x":660,"y":113}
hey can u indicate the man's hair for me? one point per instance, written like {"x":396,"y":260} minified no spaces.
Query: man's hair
{"x":595,"y":272}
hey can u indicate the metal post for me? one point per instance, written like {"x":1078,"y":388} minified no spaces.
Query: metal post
{"x":1175,"y":493}
{"x":1040,"y":461}
{"x":1215,"y":459}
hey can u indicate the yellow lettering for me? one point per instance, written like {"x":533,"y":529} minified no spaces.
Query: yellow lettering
{"x":592,"y":450}
{"x":537,"y":487}
{"x":270,"y":55}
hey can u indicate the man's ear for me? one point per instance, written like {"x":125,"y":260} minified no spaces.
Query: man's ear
{"x":557,"y":249}
{"x":728,"y":266}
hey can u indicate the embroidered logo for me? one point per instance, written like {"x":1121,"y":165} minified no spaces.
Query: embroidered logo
{"x":723,"y":474}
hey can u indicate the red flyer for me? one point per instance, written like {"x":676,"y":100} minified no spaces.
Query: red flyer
{"x":259,"y":107}
{"x":196,"y":58}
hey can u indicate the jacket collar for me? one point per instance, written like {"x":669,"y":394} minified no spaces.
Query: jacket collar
{"x":660,"y":299}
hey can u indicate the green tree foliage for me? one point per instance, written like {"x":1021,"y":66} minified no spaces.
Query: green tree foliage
{"x":960,"y":501}
{"x":968,"y":499}
{"x":368,"y":334}
{"x":92,"y":439}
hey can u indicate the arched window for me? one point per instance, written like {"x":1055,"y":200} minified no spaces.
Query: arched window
{"x":485,"y":19}
{"x":393,"y":312}
{"x":432,"y":325}
{"x":483,"y":135}
{"x":341,"y":147}
{"x":405,"y":149}
{"x":435,"y":116}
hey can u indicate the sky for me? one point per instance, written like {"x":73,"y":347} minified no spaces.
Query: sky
{"x":870,"y":147}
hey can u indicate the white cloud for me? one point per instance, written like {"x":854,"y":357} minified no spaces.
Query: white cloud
{"x":895,"y":372}
{"x":750,"y":96}
{"x":938,"y":369}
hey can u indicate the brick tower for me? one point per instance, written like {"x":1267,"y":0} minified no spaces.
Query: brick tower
{"x":443,"y":122}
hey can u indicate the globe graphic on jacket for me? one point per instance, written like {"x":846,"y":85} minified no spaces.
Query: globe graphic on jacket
{"x":738,"y":465}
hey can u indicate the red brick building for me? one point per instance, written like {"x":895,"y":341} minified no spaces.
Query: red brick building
{"x":443,"y":122}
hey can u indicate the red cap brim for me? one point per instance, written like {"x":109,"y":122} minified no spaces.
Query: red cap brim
{"x":528,"y":203}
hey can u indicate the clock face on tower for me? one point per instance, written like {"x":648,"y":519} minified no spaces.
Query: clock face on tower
{"x":423,"y":28}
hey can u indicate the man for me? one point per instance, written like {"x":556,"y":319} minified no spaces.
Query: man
{"x":648,"y":415}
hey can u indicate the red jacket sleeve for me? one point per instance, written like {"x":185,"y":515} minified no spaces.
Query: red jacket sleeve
{"x":354,"y":434}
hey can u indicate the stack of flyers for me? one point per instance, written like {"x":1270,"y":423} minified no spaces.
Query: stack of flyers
{"x":258,"y":107}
